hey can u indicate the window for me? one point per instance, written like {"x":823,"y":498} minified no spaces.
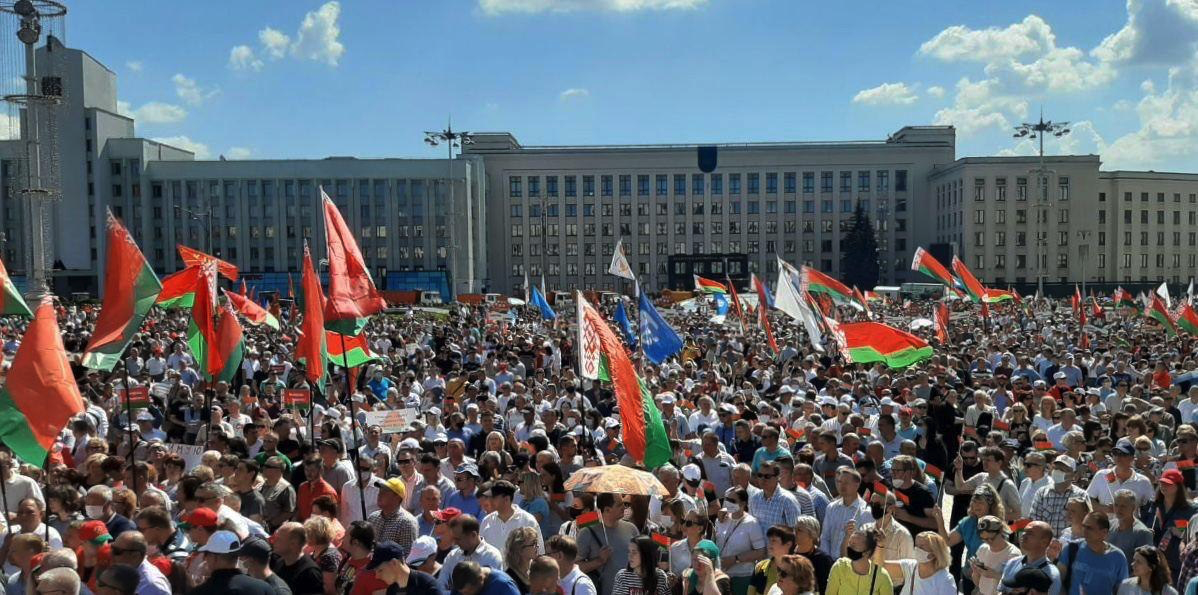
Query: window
{"x":979,"y":238}
{"x":625,"y":185}
{"x":1062,"y":260}
{"x":1063,"y":216}
{"x":979,"y":216}
{"x":571,"y":186}
{"x":754,"y":182}
{"x":826,"y":207}
{"x":1063,"y":187}
{"x":862,"y":181}
{"x":697,"y":184}
{"x":588,"y":186}
{"x":790,"y":182}
{"x":825,"y":181}
{"x":1021,"y":189}
{"x":809,"y":182}
{"x":1101,"y":217}
{"x":513,"y":187}
{"x":642,"y":185}
{"x":771,"y":183}
{"x":900,"y":180}
{"x":517,"y":210}
{"x":662,"y":185}
{"x":1063,"y":238}
{"x":846,"y":181}
{"x":534,"y":186}
{"x":733,"y":183}
{"x":605,"y":185}
{"x":551,"y":186}
{"x":517,"y":230}
{"x":979,"y":261}
{"x":1000,"y":189}
{"x":717,"y":183}
{"x":679,"y":184}
{"x":979,"y":189}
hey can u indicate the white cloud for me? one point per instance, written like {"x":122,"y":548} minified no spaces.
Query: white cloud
{"x":274,"y":42}
{"x":979,"y":106}
{"x":239,"y":153}
{"x":887,"y":94}
{"x":317,"y":38}
{"x":574,"y":93}
{"x":190,"y":92}
{"x":1168,"y":130}
{"x":242,"y":57}
{"x":959,"y":43}
{"x":134,"y":65}
{"x":1156,"y":32}
{"x":497,"y":7}
{"x":936,"y":91}
{"x":184,"y":142}
{"x":157,"y":112}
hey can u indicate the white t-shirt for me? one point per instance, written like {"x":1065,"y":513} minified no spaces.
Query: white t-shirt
{"x":737,"y":536}
{"x":578,"y":583}
{"x":994,"y":560}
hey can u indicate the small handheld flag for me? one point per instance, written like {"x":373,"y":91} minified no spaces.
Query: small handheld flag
{"x":589,"y":519}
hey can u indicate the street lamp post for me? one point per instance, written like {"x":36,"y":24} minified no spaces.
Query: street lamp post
{"x":204,"y":218}
{"x":1039,"y":130}
{"x":455,"y":139}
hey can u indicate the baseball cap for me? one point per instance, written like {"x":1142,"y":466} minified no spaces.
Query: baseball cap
{"x":441,"y":438}
{"x":1066,"y":461}
{"x":446,"y":514}
{"x":709,"y":549}
{"x":992,"y":523}
{"x":222,"y":542}
{"x":1124,"y":449}
{"x":1172,"y":477}
{"x":468,"y":469}
{"x":397,"y":486}
{"x":691,"y":473}
{"x":668,"y":399}
{"x":385,"y":552}
{"x":423,"y":548}
{"x":144,"y":415}
{"x":409,"y":444}
{"x":95,"y":533}
{"x":200,"y":517}
{"x":256,"y":549}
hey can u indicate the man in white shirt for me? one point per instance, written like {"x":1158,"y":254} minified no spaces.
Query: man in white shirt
{"x":1120,"y":477}
{"x":564,"y":550}
{"x":1189,"y":406}
{"x":507,"y":517}
{"x":18,"y":487}
{"x":366,"y":482}
{"x":469,"y":547}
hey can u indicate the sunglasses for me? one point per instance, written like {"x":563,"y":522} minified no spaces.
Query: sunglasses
{"x":405,"y":461}
{"x":692,"y":523}
{"x":766,"y":475}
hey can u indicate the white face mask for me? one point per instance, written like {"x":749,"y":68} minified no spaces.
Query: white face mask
{"x":364,"y":475}
{"x":666,"y":522}
{"x":732,"y":507}
{"x":922,"y":555}
{"x":1059,"y":476}
{"x":901,"y":483}
{"x":95,"y":512}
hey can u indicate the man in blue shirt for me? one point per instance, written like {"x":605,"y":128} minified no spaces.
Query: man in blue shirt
{"x":471,"y":578}
{"x":465,"y":497}
{"x":1034,"y":542}
{"x":1100,"y":566}
{"x":379,"y":384}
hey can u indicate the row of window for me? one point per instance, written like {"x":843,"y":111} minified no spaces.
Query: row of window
{"x":661,"y":228}
{"x":571,"y":269}
{"x":662,"y":248}
{"x":1160,"y":197}
{"x":790,"y":207}
{"x":1192,"y":217}
{"x":701,"y":184}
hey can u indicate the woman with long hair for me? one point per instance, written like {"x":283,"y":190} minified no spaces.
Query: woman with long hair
{"x":1149,"y":574}
{"x":532,"y":500}
{"x":518,"y":552}
{"x":642,"y":574}
{"x":927,"y":573}
{"x":796,"y":576}
{"x":1172,"y":505}
{"x":856,"y":573}
{"x":673,"y":517}
{"x":554,"y":483}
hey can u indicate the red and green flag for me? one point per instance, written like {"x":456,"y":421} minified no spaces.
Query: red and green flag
{"x":230,"y":346}
{"x":927,"y":264}
{"x":255,"y":314}
{"x":1187,"y":319}
{"x":40,"y":397}
{"x":708,"y":286}
{"x":865,"y":342}
{"x":353,"y":351}
{"x":587,"y":519}
{"x":1124,"y":299}
{"x":352,"y":298}
{"x":995,"y":296}
{"x":644,"y":434}
{"x":130,"y":290}
{"x":201,"y":329}
{"x":194,"y":258}
{"x":814,"y":282}
{"x":11,"y":302}
{"x":311,"y":348}
{"x":662,"y":540}
{"x":179,"y":289}
{"x":763,"y":309}
{"x":1158,"y":312}
{"x":972,"y":286}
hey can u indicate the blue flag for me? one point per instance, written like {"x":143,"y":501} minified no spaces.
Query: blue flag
{"x":721,"y":304}
{"x":660,"y":342}
{"x":538,"y":300}
{"x":625,"y":325}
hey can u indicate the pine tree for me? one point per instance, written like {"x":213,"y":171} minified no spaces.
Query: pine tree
{"x":859,"y":261}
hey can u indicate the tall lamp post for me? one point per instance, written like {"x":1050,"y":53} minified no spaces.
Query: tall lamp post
{"x":1038,"y":130}
{"x":455,"y":140}
{"x":204,"y":218}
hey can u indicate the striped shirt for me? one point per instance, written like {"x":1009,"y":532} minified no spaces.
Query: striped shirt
{"x":1049,"y":506}
{"x":836,"y":517}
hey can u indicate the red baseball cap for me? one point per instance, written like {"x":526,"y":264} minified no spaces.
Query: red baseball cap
{"x":200,"y":517}
{"x":446,"y":515}
{"x":94,"y":532}
{"x":1172,"y":477}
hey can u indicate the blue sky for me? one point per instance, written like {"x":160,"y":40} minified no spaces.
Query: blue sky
{"x":283,"y":79}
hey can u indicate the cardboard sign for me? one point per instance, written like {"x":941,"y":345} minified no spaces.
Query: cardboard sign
{"x":137,"y":397}
{"x":392,"y":421}
{"x":161,"y":389}
{"x":277,"y":369}
{"x":299,"y":398}
{"x":190,"y":452}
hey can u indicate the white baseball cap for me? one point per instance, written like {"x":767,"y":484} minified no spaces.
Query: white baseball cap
{"x":424,"y":547}
{"x":691,"y":472}
{"x":222,"y":542}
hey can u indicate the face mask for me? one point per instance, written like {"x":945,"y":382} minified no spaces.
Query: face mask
{"x":95,"y":512}
{"x":666,"y":522}
{"x":364,"y":475}
{"x":765,"y":419}
{"x":1059,"y":476}
{"x":732,"y":507}
{"x":571,"y":422}
{"x":902,"y":483}
{"x":575,"y":512}
{"x":922,"y":555}
{"x":877,"y":511}
{"x":854,"y":554}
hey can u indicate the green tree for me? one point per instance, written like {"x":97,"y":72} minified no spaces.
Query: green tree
{"x":859,"y":260}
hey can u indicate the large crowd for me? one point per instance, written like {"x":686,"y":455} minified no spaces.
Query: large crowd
{"x":1020,"y":458}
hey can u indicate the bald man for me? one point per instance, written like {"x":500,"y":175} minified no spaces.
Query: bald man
{"x":129,"y":549}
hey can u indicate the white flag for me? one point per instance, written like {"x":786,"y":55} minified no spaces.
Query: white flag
{"x":588,"y":341}
{"x":786,"y":299}
{"x":1190,"y":292}
{"x":1163,"y":291}
{"x":619,"y":264}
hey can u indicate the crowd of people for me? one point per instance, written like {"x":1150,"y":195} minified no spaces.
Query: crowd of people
{"x":1028,"y":455}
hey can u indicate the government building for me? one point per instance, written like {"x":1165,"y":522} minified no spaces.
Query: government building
{"x":502,"y":211}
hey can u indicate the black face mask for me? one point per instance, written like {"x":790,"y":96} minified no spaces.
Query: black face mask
{"x":877,"y":510}
{"x":854,"y":554}
{"x":575,"y":512}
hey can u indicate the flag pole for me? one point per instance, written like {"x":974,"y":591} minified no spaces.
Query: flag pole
{"x":353,"y":420}
{"x":129,"y":427}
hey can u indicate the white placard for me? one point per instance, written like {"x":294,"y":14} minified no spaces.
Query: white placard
{"x":392,"y":421}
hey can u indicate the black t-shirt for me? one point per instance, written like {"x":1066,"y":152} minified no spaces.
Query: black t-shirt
{"x":920,"y":499}
{"x":419,"y":583}
{"x":304,"y":577}
{"x":821,"y":562}
{"x":233,"y":582}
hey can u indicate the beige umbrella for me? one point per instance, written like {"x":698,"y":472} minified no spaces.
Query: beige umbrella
{"x":615,"y":479}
